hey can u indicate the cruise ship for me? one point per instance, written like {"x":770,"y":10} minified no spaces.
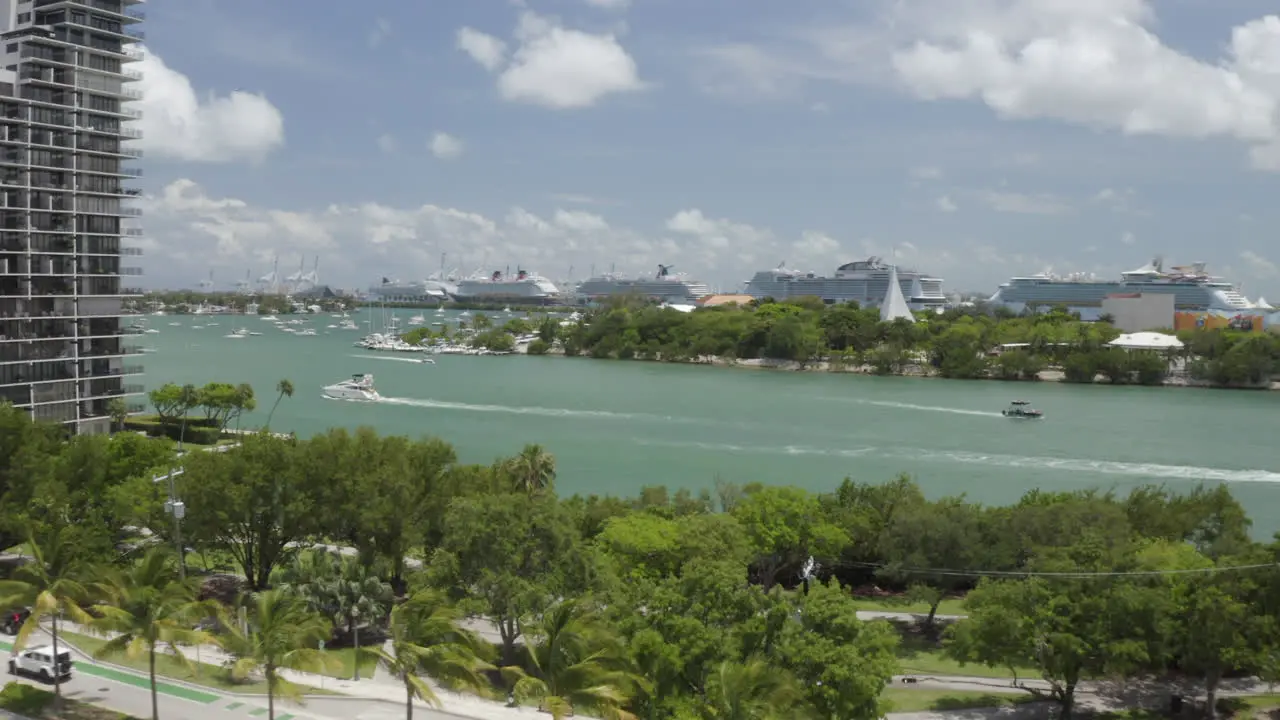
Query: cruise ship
{"x":865,"y":282}
{"x":437,"y":288}
{"x":525,"y":287}
{"x":664,"y":287}
{"x":1192,"y":288}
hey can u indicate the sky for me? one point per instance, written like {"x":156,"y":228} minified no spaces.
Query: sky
{"x":973,"y":140}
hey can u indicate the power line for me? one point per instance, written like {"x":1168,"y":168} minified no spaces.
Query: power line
{"x":1068,"y":574}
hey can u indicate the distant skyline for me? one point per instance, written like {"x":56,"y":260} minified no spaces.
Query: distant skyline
{"x":980,"y":138}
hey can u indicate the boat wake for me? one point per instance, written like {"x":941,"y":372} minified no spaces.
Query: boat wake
{"x":1075,"y":465}
{"x":910,"y":406}
{"x":415,"y":361}
{"x":534,"y":410}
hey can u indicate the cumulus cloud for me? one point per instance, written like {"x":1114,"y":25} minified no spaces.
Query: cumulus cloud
{"x":946,"y":204}
{"x":554,"y":66}
{"x":445,"y":146}
{"x":195,"y":231}
{"x":1095,"y":63}
{"x":610,"y":4}
{"x":181,"y":124}
{"x":484,"y":48}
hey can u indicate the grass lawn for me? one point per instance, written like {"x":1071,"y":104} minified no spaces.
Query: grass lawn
{"x":907,"y":700}
{"x":919,"y":657}
{"x":211,"y":676}
{"x":950,"y":606}
{"x":348,"y":657}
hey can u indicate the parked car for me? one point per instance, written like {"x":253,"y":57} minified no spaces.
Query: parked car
{"x":38,"y":662}
{"x":14,"y":619}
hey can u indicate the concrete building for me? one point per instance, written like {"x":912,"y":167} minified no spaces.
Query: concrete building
{"x":1136,"y":312}
{"x":65,"y":224}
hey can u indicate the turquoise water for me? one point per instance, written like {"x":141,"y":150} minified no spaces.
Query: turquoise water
{"x":615,"y":426}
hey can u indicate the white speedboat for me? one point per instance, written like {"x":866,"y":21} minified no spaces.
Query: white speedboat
{"x":359,"y":387}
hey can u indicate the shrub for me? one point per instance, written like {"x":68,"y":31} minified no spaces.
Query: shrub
{"x":195,"y":433}
{"x":24,"y":699}
{"x":539,"y":347}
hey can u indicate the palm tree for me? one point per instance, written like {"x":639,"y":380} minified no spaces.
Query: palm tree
{"x":284,"y":388}
{"x":752,"y":690}
{"x":426,"y":640}
{"x":533,"y":470}
{"x":574,"y":664}
{"x":50,"y":584}
{"x":150,"y":608}
{"x":339,"y":587}
{"x":283,"y":633}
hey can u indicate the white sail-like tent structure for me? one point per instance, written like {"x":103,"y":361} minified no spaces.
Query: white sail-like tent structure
{"x":1146,"y":341}
{"x":895,"y":305}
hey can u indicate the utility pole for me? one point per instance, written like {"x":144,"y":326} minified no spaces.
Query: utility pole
{"x":178,"y":510}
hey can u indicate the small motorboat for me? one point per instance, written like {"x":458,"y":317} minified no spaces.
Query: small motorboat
{"x":1021,"y":409}
{"x":359,"y":387}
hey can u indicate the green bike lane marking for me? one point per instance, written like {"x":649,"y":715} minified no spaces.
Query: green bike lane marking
{"x":178,"y":691}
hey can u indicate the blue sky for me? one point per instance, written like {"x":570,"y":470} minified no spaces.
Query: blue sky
{"x":976,"y":138}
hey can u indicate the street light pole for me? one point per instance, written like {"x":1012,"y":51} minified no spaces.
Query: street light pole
{"x":178,"y":510}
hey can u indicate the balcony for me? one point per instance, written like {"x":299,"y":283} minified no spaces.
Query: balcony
{"x":131,"y":251}
{"x":136,"y":408}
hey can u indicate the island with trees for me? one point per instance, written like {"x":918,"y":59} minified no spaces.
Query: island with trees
{"x":961,"y":343}
{"x":351,"y":550}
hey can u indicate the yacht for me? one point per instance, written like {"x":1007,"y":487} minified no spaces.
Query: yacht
{"x":525,"y":287}
{"x":1193,"y":290}
{"x":663,"y":287}
{"x":865,"y":282}
{"x":359,"y":387}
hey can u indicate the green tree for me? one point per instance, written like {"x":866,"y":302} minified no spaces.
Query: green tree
{"x":754,"y":690}
{"x":1215,"y":631}
{"x":118,"y":410}
{"x":511,"y":554}
{"x":283,"y":633}
{"x":52,"y":584}
{"x":149,"y":609}
{"x":841,"y":662}
{"x":1069,"y":629}
{"x":427,"y":640}
{"x":945,"y":534}
{"x":252,"y":502}
{"x":785,"y":525}
{"x":284,"y":389}
{"x":573,"y":664}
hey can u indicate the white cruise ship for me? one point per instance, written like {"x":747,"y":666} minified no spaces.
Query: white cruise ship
{"x":865,"y":282}
{"x":1192,"y":288}
{"x":525,"y":287}
{"x":436,"y":288}
{"x":664,"y":287}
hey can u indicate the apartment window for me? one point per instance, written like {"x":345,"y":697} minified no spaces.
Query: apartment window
{"x":11,"y":48}
{"x":24,"y":17}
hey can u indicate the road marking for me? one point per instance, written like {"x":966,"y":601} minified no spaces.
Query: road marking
{"x":285,"y":716}
{"x":258,"y":711}
{"x":235,"y":705}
